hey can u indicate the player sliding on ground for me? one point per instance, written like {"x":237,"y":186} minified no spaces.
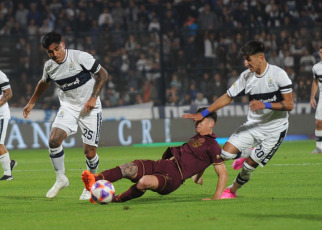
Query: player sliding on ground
{"x":177,"y":164}
{"x":270,"y":95}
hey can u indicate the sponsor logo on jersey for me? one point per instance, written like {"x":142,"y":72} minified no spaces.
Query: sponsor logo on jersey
{"x":67,"y":85}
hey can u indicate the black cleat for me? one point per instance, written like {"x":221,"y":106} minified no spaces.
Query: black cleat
{"x":5,"y":177}
{"x":13,"y":164}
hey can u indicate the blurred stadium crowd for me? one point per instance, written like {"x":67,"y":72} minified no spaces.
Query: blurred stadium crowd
{"x":196,"y":42}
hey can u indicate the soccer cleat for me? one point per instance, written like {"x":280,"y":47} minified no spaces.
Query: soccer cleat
{"x":317,"y":151}
{"x":88,"y":179}
{"x":13,"y":164}
{"x":59,"y":185}
{"x":238,"y":163}
{"x":92,"y":201}
{"x":86,"y":195}
{"x":5,"y":177}
{"x":227,"y":194}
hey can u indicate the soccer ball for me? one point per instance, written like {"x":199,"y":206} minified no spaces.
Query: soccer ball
{"x":102,"y":192}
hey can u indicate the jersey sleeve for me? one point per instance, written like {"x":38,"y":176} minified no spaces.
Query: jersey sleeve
{"x":284,"y":82}
{"x":4,"y":81}
{"x":314,"y":73}
{"x":215,"y":152}
{"x":45,"y":76}
{"x":238,"y":87}
{"x":88,"y":62}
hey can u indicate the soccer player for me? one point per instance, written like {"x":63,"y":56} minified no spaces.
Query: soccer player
{"x":270,"y":98}
{"x":80,"y":79}
{"x":177,"y":164}
{"x":6,"y":163}
{"x":316,"y":83}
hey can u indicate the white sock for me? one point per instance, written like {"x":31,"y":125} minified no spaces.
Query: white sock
{"x":57,"y":157}
{"x":318,"y":137}
{"x":92,"y":164}
{"x":246,"y":153}
{"x":5,"y":162}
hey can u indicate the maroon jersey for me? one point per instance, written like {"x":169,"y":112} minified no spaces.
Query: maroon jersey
{"x":196,"y":155}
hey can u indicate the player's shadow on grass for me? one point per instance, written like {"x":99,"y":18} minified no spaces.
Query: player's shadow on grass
{"x":289,"y":216}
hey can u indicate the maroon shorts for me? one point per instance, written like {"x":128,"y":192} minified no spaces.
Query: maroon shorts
{"x":166,"y":171}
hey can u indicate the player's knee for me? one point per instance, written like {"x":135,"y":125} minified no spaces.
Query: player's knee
{"x":143,"y":183}
{"x":226,"y":155}
{"x":147,"y":183}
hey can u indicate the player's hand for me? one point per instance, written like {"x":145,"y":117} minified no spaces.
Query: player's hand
{"x":256,"y":105}
{"x":313,"y":103}
{"x":200,"y":180}
{"x":195,"y":117}
{"x":89,"y":105}
{"x":27,"y":109}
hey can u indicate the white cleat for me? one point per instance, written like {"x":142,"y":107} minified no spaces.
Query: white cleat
{"x":59,"y":185}
{"x":317,"y":151}
{"x":85,"y":195}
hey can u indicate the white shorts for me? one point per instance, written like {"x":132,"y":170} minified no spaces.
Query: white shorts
{"x":318,"y":112}
{"x":265,"y":143}
{"x":68,"y":120}
{"x":3,"y":130}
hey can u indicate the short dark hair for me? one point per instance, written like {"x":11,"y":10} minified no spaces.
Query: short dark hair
{"x":50,"y":38}
{"x":251,"y":48}
{"x":212,"y":115}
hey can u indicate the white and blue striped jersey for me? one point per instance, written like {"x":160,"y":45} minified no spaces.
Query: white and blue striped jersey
{"x":267,"y":87}
{"x":317,"y":74}
{"x":74,"y":77}
{"x":4,"y":84}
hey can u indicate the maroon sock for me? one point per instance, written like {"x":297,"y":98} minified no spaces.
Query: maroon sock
{"x":130,"y":194}
{"x":111,"y":175}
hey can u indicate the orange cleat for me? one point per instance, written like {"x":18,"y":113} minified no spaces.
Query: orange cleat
{"x":88,"y":179}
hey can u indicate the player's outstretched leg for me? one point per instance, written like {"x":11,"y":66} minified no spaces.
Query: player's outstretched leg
{"x":92,"y":165}
{"x":238,"y":163}
{"x":88,"y":179}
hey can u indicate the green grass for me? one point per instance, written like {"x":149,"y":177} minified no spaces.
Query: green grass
{"x":285,"y":194}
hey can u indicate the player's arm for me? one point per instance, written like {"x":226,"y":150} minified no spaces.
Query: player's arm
{"x":218,"y":104}
{"x":41,"y":87}
{"x":314,"y":89}
{"x":100,"y":79}
{"x":6,"y":95}
{"x":287,"y":104}
{"x":198,"y":178}
{"x":222,"y":181}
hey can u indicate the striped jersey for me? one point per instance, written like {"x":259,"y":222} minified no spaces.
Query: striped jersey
{"x":267,"y":87}
{"x":4,"y":84}
{"x":317,"y":74}
{"x":74,"y":77}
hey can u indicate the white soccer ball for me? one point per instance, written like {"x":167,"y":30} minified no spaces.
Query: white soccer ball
{"x":102,"y":191}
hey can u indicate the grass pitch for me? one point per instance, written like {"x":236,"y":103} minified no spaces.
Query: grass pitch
{"x":285,"y":194}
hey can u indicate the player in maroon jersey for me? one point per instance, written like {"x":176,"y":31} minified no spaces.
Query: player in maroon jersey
{"x":177,"y":164}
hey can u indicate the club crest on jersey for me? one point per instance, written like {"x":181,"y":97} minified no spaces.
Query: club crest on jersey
{"x":71,"y":67}
{"x":270,"y":82}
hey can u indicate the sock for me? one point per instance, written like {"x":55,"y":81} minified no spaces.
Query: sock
{"x":5,"y":162}
{"x":318,"y":138}
{"x":57,"y":157}
{"x":130,"y":194}
{"x":242,"y":178}
{"x":111,"y":175}
{"x":92,"y":164}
